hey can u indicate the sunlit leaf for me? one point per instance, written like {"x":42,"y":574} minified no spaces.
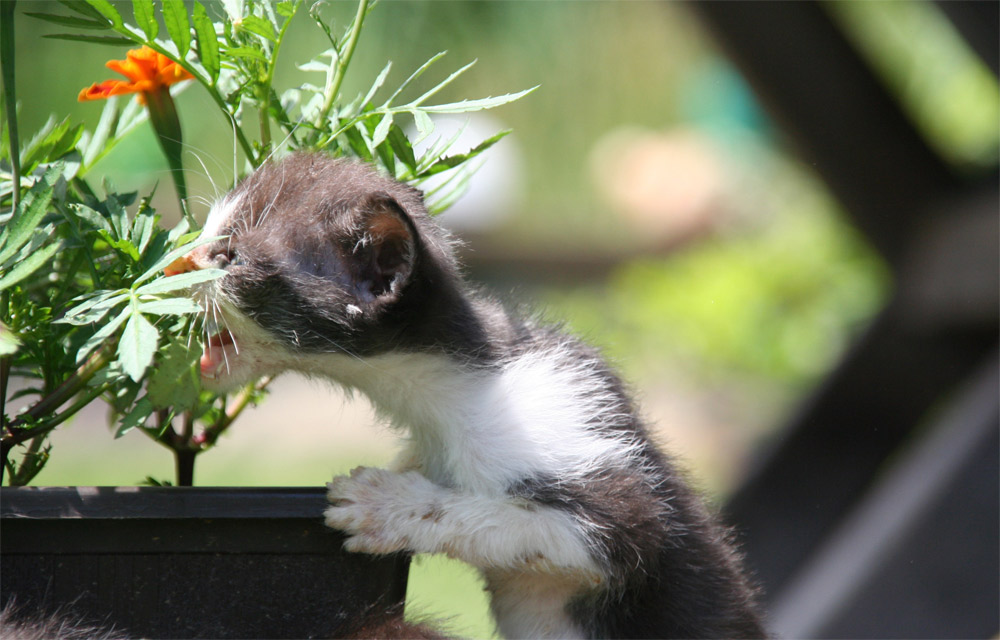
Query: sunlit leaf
{"x":181,"y":281}
{"x":137,"y":346}
{"x":107,"y":10}
{"x":175,"y":306}
{"x":175,"y":17}
{"x":208,"y":44}
{"x":145,"y":16}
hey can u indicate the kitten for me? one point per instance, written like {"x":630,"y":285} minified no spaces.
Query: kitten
{"x":525,"y":456}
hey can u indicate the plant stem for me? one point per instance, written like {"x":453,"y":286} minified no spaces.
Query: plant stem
{"x":61,"y":394}
{"x":242,"y":401}
{"x":185,"y":466}
{"x":10,"y":95}
{"x":342,"y":61}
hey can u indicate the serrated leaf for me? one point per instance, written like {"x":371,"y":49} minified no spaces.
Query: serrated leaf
{"x":413,"y":76}
{"x":286,"y":9}
{"x":141,"y":410}
{"x":208,"y":43}
{"x":172,"y":306}
{"x":180,"y":281}
{"x":83,"y":8}
{"x":107,"y":10}
{"x":382,"y":130}
{"x":30,"y":211}
{"x":425,"y":126}
{"x":137,"y":346}
{"x":102,"y":334}
{"x":145,"y":17}
{"x":93,"y":309}
{"x":115,"y":41}
{"x":91,"y":217}
{"x":402,"y":147}
{"x":450,"y":162}
{"x":258,"y":25}
{"x":170,"y":256}
{"x":175,"y":17}
{"x":69,"y":21}
{"x":481,"y":104}
{"x":246,"y":52}
{"x":27,"y":266}
{"x":175,"y":380}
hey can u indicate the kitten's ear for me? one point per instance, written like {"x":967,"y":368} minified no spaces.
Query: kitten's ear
{"x":384,"y":250}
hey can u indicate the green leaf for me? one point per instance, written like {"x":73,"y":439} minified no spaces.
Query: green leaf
{"x":93,"y":309}
{"x":175,"y":381}
{"x":180,"y":281}
{"x":28,"y":265}
{"x":162,"y":263}
{"x":69,"y":21}
{"x":102,"y":334}
{"x":246,"y":52}
{"x":413,"y":76}
{"x":286,"y":9}
{"x":107,"y":10}
{"x":175,"y":16}
{"x":382,"y":130}
{"x":477,"y":105}
{"x":258,"y":25}
{"x":50,"y":143}
{"x":91,"y":217}
{"x":425,"y":126}
{"x":107,"y":124}
{"x":140,"y":412}
{"x":402,"y":147}
{"x":84,"y":9}
{"x":30,"y":211}
{"x":450,"y":162}
{"x":145,"y":17}
{"x":117,"y":214}
{"x":441,"y":85}
{"x":114,"y":41}
{"x":172,"y":306}
{"x":8,"y":341}
{"x":137,"y":346}
{"x":208,"y":43}
{"x":143,"y":228}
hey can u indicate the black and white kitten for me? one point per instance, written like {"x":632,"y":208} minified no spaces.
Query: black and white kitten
{"x":524,"y":455}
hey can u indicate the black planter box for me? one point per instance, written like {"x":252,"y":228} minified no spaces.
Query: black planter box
{"x":166,"y":562}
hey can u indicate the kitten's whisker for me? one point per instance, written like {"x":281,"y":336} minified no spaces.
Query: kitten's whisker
{"x":270,"y":205}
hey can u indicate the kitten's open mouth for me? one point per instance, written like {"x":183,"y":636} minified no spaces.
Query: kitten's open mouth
{"x":219,"y":351}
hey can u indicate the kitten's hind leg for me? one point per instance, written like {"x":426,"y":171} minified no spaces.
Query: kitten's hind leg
{"x":384,"y":512}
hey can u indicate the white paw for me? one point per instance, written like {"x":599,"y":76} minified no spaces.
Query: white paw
{"x":372,"y":507}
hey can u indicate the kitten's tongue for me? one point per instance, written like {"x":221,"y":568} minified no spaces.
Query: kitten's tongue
{"x":214,"y":356}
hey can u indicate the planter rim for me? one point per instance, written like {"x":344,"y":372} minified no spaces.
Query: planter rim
{"x":114,"y":503}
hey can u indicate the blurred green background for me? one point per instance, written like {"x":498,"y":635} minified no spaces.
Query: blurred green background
{"x":677,"y":230}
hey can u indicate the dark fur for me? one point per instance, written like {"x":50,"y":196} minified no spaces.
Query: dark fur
{"x":336,"y":234}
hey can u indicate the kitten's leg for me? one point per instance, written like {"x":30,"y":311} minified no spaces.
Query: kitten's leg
{"x":384,"y":512}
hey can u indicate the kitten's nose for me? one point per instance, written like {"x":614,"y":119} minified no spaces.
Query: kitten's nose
{"x":179,"y":266}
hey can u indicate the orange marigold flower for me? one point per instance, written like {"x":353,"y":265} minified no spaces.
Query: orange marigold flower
{"x":147,"y":71}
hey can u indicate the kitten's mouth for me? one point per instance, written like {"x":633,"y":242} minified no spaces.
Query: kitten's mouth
{"x":220,"y":349}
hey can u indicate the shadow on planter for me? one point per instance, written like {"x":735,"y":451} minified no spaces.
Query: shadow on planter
{"x":168,"y":562}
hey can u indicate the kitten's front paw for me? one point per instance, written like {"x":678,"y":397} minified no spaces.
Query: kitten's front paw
{"x":367,"y":507}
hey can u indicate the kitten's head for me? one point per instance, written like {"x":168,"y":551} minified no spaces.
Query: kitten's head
{"x":322,"y":256}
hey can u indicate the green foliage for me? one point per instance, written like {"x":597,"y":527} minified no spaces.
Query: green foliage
{"x":776,"y":304}
{"x":86,"y":311}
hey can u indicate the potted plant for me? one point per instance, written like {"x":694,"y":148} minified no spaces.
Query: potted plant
{"x":87,"y":316}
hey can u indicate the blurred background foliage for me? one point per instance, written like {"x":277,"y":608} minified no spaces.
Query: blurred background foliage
{"x":733,"y":281}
